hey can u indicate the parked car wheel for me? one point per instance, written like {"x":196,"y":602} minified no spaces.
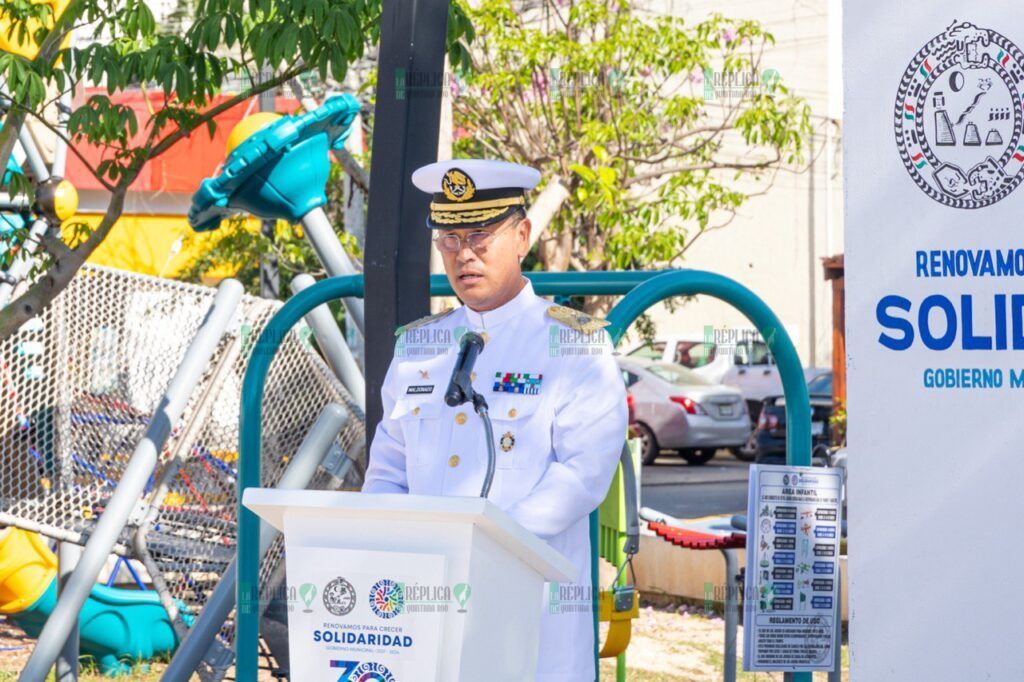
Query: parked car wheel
{"x":748,"y":451}
{"x":697,"y":457}
{"x":648,"y":443}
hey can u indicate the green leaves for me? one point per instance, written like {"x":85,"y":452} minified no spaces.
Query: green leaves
{"x":647,"y":119}
{"x":23,"y":81}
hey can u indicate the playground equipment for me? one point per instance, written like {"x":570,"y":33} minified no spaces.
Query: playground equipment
{"x":114,"y":624}
{"x":171,"y":501}
{"x":259,"y":176}
{"x":706,"y":535}
{"x":81,"y":384}
{"x":641,"y":291}
{"x":278,"y":171}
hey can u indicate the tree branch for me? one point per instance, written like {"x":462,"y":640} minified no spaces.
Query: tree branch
{"x":66,"y":262}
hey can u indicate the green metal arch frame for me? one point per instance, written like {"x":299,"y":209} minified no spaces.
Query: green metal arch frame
{"x":641,"y":289}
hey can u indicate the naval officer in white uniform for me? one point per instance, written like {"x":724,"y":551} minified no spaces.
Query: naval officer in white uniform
{"x":556,"y":396}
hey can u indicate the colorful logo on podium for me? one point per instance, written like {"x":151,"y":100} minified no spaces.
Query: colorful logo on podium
{"x":366,"y":671}
{"x":959,"y":117}
{"x":386,"y":598}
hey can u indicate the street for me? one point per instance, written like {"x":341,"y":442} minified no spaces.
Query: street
{"x":678,"y":489}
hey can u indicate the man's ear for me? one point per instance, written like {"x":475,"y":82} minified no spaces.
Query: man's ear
{"x":524,"y":228}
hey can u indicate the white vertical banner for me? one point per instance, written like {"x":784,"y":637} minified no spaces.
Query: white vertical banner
{"x":933,"y":147}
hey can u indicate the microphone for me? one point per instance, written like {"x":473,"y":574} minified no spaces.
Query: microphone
{"x":460,"y":388}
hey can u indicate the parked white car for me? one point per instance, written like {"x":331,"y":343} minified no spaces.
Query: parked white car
{"x":747,"y":365}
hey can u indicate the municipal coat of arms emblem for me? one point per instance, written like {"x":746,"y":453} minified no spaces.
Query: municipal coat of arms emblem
{"x":959,"y":116}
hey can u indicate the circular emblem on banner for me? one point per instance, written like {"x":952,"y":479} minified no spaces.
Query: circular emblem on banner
{"x":371,"y":672}
{"x":958,"y":117}
{"x":339,"y":597}
{"x":386,"y":598}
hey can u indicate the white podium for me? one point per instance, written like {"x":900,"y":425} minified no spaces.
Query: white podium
{"x":409,"y":587}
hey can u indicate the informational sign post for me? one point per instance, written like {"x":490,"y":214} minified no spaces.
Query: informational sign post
{"x":933,"y":144}
{"x":794,"y":521}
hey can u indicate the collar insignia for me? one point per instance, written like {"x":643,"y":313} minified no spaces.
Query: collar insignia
{"x":575,"y":319}
{"x":423,"y":321}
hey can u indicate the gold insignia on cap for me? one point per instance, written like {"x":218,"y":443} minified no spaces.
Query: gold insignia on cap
{"x":457,"y":185}
{"x":575,"y":319}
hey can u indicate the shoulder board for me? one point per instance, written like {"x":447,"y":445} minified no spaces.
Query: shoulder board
{"x":423,"y":321}
{"x":575,"y":319}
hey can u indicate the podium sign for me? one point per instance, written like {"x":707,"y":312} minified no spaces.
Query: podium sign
{"x":409,"y":587}
{"x":353,"y":618}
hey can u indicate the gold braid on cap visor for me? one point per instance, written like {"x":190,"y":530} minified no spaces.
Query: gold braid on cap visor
{"x":473,"y":211}
{"x":457,"y":217}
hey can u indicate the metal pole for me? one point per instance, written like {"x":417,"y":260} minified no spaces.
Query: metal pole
{"x":67,"y":663}
{"x":270,"y":273}
{"x":407,"y":119}
{"x":333,"y":345}
{"x":35,"y":159}
{"x":60,"y":147}
{"x":731,"y":613}
{"x":330,"y":252}
{"x":133,"y":482}
{"x":812,"y":262}
{"x":836,"y":674}
{"x":218,"y":607}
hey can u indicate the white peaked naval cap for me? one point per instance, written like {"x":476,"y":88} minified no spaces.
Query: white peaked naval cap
{"x":474,"y":192}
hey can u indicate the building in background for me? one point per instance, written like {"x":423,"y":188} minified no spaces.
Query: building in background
{"x":777,"y":240}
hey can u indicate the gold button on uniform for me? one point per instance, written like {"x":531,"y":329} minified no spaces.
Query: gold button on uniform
{"x":512,"y":413}
{"x":416,"y":410}
{"x":460,"y":418}
{"x":453,"y":461}
{"x":472,"y":376}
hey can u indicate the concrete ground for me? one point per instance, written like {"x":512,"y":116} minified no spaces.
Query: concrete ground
{"x":681,"y":644}
{"x":669,"y":644}
{"x":678,"y":489}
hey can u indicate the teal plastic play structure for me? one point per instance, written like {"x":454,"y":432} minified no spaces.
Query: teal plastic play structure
{"x":116,"y":626}
{"x":279,"y":172}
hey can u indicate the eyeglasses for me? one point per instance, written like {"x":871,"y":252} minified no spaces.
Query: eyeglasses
{"x":477,"y":241}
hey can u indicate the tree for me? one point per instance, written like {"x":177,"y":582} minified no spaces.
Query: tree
{"x":648,"y":121}
{"x":226,"y":38}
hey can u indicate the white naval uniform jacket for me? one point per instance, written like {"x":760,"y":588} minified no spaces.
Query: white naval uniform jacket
{"x":562,"y":436}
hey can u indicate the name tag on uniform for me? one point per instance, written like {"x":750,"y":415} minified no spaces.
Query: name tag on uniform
{"x":517,"y":382}
{"x":419,"y":389}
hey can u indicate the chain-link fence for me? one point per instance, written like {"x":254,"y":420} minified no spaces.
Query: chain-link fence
{"x":79,"y":384}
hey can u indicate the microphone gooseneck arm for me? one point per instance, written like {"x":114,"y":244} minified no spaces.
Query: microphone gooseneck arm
{"x":480,"y":407}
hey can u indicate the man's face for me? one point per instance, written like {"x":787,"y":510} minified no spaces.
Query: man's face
{"x":489,"y":276}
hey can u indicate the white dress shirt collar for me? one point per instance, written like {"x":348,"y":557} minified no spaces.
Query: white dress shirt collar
{"x":490,"y":319}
